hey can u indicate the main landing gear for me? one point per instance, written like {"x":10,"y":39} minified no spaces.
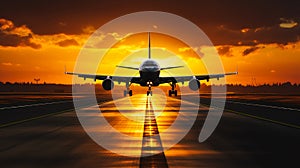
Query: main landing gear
{"x":173,"y":91}
{"x":128,"y":90}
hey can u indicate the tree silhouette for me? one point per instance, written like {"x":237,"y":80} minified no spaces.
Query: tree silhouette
{"x":36,"y":80}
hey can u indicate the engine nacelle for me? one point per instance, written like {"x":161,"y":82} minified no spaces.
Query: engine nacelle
{"x":194,"y":84}
{"x":108,"y":84}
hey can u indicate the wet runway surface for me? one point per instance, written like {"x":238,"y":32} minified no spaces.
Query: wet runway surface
{"x":58,"y":140}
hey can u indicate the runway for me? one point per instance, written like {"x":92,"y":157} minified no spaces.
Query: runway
{"x":44,"y":131}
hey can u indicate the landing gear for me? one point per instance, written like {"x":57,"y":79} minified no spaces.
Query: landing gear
{"x":127,"y":91}
{"x":173,"y":91}
{"x":149,"y":91}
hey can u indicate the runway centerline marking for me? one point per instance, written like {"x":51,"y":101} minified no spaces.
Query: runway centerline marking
{"x":151,"y":141}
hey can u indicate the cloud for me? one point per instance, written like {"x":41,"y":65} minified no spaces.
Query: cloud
{"x":67,"y":42}
{"x":186,"y":49}
{"x":6,"y":25}
{"x":225,"y":35}
{"x":225,"y":51}
{"x":88,"y":29}
{"x":10,"y":64}
{"x":13,"y":40}
{"x":287,"y":46}
{"x":7,"y":64}
{"x":287,"y":23}
{"x":246,"y":21}
{"x":245,"y":30}
{"x":13,"y":36}
{"x":104,"y":40}
{"x":250,"y":50}
{"x":62,"y":23}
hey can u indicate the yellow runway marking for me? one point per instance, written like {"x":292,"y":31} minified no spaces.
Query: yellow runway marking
{"x":33,"y":118}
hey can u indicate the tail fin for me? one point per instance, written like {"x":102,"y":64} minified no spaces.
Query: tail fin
{"x":149,"y":46}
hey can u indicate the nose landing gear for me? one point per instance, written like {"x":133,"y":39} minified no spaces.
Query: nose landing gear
{"x":149,"y":91}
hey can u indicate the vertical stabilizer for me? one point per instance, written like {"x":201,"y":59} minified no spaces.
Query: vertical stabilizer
{"x":149,"y":46}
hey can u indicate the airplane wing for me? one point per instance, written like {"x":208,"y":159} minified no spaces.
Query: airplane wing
{"x":172,"y":67}
{"x":127,"y":67}
{"x":95,"y":77}
{"x":176,"y":79}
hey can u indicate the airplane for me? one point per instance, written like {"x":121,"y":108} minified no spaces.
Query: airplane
{"x":149,"y":72}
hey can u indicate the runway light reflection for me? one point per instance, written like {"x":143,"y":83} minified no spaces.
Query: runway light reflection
{"x":145,"y":118}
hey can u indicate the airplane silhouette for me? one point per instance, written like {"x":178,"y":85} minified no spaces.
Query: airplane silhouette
{"x":149,"y":72}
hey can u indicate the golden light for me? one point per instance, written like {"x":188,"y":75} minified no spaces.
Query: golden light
{"x":166,"y":50}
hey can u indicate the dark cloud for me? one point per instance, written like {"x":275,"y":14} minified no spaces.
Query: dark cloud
{"x":67,"y":42}
{"x":15,"y":36}
{"x":14,"y":40}
{"x":250,"y":50}
{"x":289,"y":46}
{"x":10,"y":39}
{"x":225,"y":51}
{"x":263,"y":18}
{"x":258,"y":35}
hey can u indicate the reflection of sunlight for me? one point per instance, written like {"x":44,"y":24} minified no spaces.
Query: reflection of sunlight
{"x":158,"y":101}
{"x":188,"y":152}
{"x":151,"y":116}
{"x":134,"y":107}
{"x":151,"y":139}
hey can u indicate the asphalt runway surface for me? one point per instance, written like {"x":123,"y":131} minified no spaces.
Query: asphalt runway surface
{"x":44,"y":131}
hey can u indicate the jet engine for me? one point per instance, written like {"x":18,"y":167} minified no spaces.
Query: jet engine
{"x":108,"y":84}
{"x":194,"y":84}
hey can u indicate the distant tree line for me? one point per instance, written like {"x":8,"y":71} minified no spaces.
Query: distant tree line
{"x":286,"y":87}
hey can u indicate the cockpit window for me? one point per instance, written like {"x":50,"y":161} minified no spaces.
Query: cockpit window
{"x":150,"y":63}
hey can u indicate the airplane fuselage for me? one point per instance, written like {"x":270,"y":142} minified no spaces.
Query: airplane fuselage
{"x":149,"y":73}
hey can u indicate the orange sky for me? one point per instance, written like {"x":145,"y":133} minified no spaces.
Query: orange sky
{"x":262,"y":63}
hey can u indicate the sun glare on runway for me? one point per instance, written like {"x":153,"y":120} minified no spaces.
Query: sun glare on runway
{"x":131,"y":111}
{"x":142,"y":117}
{"x":149,"y":120}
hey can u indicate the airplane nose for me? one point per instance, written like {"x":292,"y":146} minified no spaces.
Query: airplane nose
{"x":150,"y":69}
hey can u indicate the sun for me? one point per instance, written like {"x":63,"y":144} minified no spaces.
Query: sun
{"x":132,"y":50}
